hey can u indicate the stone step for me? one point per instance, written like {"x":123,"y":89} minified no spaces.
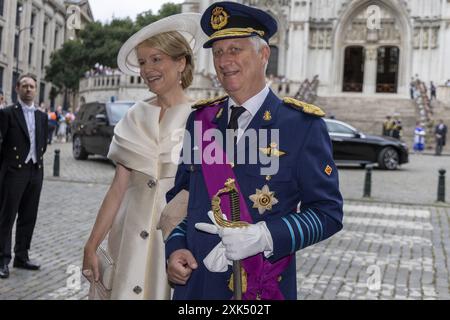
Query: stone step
{"x":367,"y":114}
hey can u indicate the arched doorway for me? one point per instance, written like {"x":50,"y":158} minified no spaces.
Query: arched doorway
{"x":272,"y":67}
{"x":395,"y":31}
{"x":387,"y":69}
{"x":354,"y":58}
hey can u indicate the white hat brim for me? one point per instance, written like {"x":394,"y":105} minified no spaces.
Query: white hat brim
{"x":187,"y":24}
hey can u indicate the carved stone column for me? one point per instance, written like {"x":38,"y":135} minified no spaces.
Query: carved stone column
{"x":370,"y":70}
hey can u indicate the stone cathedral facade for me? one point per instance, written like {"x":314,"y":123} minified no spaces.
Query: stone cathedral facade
{"x":364,"y":46}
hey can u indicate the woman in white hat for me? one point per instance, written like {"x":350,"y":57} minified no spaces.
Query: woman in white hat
{"x":133,"y":265}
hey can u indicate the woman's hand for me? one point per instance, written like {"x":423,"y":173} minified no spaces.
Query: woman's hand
{"x":90,"y":265}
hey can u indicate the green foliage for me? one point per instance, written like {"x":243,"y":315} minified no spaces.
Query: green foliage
{"x":97,"y":43}
{"x":67,"y":66}
{"x":147,"y":17}
{"x":102,"y":42}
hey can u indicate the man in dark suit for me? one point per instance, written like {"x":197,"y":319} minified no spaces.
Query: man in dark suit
{"x":24,"y":132}
{"x":441,"y":134}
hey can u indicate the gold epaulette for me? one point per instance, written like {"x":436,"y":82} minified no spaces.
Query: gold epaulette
{"x":304,"y":107}
{"x":209,"y":102}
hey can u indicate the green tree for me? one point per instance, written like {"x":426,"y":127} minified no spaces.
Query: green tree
{"x":67,"y":66}
{"x":148,"y":17}
{"x":102,"y":42}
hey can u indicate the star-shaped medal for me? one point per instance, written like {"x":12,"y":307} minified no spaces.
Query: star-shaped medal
{"x":263,"y":199}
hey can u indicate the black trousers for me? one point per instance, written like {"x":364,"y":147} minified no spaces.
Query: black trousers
{"x":20,"y":193}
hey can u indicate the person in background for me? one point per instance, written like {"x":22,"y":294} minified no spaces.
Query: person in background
{"x":2,"y":100}
{"x":440,"y":133}
{"x":397,"y":127}
{"x":432,"y":91}
{"x":24,"y":132}
{"x":419,"y":138}
{"x":388,"y":125}
{"x":52,"y":125}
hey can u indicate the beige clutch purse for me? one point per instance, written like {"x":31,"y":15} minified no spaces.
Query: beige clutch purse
{"x":101,"y":290}
{"x":174,"y":212}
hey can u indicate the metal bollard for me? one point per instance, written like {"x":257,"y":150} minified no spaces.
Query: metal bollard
{"x":368,"y":181}
{"x":56,"y":163}
{"x":441,"y":186}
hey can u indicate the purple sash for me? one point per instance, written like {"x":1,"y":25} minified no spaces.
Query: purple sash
{"x":262,"y":276}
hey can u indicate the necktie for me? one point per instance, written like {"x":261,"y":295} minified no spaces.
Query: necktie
{"x":236,"y":112}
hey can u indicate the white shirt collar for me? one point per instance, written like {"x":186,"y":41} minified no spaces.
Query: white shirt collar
{"x":253,"y":104}
{"x":25,"y":105}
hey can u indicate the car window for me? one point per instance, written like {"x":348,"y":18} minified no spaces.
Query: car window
{"x":338,"y":128}
{"x":90,"y":112}
{"x":117,"y":111}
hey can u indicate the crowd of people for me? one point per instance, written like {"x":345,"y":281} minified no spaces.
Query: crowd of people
{"x":59,"y":123}
{"x":101,"y":70}
{"x":392,"y":127}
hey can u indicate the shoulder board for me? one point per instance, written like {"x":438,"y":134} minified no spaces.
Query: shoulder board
{"x":304,"y":107}
{"x":208,"y":102}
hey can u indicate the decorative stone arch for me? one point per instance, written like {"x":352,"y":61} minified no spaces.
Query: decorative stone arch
{"x":279,"y":40}
{"x":353,"y":9}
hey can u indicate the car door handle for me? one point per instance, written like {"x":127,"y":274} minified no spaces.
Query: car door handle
{"x":338,"y":139}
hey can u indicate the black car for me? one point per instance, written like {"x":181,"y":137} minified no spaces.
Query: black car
{"x":93,"y":128}
{"x":353,"y":146}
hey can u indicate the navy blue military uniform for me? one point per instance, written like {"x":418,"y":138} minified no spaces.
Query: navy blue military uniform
{"x":307,"y":173}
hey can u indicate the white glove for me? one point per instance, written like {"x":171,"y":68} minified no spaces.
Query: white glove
{"x":216,"y":261}
{"x":211,"y":228}
{"x":241,"y":243}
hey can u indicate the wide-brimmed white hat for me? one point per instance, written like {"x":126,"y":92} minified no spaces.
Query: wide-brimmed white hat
{"x":187,"y":24}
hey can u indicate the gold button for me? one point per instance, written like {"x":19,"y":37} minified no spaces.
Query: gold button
{"x":40,"y":166}
{"x":41,"y":158}
{"x":17,"y":157}
{"x":20,"y":166}
{"x":232,"y":164}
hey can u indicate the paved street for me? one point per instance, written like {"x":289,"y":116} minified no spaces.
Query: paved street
{"x":386,"y":250}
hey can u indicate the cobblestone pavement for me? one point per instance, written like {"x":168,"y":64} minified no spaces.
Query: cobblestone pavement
{"x":66,"y":214}
{"x":414,"y":183}
{"x":94,"y":170}
{"x":385,"y":251}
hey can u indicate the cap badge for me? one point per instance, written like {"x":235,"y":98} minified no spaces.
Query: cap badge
{"x":219,"y":18}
